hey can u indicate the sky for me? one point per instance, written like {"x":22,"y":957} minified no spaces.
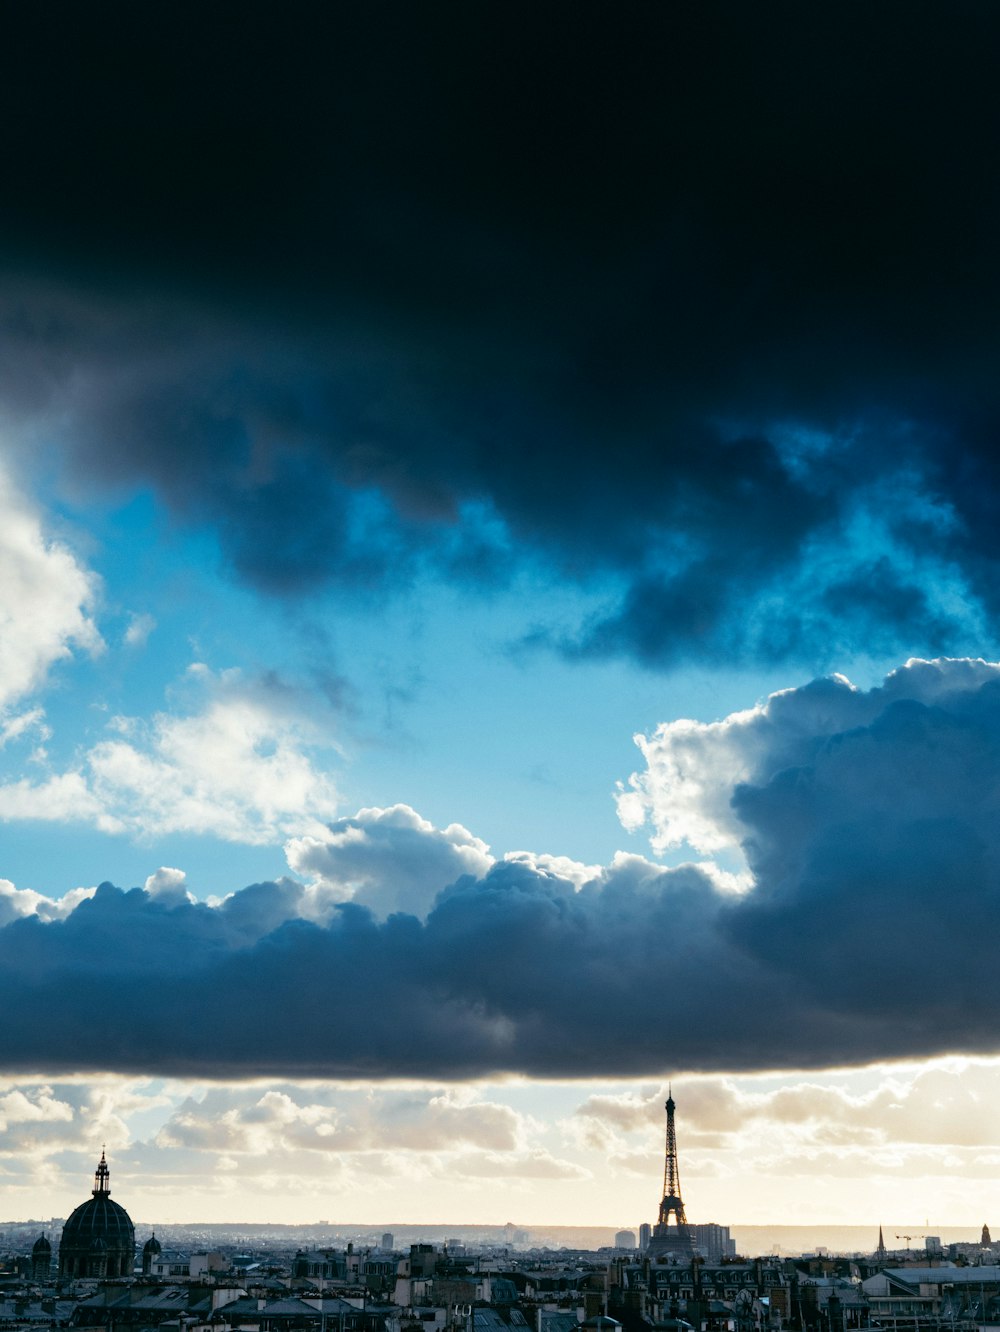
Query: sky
{"x":499,"y":611}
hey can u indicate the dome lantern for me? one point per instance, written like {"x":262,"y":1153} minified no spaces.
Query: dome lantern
{"x":102,"y":1178}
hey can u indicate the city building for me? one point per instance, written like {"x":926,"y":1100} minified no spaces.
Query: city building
{"x":707,"y":1297}
{"x":880,"y":1252}
{"x":713,"y":1241}
{"x":905,"y":1297}
{"x":171,"y":1264}
{"x":207,"y":1263}
{"x":151,"y":1251}
{"x":41,"y":1259}
{"x":98,"y":1239}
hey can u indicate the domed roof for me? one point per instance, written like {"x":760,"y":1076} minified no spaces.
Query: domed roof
{"x":152,"y":1245}
{"x":99,"y":1219}
{"x":41,"y":1245}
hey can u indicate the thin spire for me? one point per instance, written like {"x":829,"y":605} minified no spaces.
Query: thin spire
{"x":102,"y":1178}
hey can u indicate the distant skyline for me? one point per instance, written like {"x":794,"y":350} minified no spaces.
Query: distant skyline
{"x":752,"y":1241}
{"x":499,"y":592}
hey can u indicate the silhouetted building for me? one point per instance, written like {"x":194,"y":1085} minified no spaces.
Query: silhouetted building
{"x":41,"y":1259}
{"x":98,"y":1240}
{"x":328,"y":1265}
{"x":713,"y":1240}
{"x":943,"y":1296}
{"x":671,"y":1237}
{"x":737,"y":1286}
{"x":151,"y":1251}
{"x":169,"y":1264}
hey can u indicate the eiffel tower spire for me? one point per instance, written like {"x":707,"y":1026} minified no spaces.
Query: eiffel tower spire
{"x":670,"y":1234}
{"x":671,"y":1170}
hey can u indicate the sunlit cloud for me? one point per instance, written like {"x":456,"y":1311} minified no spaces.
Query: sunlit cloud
{"x":238,"y":767}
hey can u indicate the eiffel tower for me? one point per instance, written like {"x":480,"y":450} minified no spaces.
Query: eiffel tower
{"x":671,"y":1237}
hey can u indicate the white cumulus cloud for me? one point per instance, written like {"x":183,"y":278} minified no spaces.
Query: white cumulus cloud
{"x":19,"y":903}
{"x":237,"y":765}
{"x":168,"y":885}
{"x":46,"y":599}
{"x":685,"y":794}
{"x":387,"y":859}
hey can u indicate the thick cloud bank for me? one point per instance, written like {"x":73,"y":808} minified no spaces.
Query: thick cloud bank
{"x":692,"y":304}
{"x":869,"y":824}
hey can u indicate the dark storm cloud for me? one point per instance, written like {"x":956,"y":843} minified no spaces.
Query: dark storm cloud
{"x":512,"y":972}
{"x":869,"y":823}
{"x":357,"y":278}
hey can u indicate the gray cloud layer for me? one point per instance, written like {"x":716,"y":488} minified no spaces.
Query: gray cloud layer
{"x":869,"y":823}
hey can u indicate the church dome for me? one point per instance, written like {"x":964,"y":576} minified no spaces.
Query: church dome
{"x":151,"y":1250}
{"x":98,"y":1239}
{"x":41,"y":1246}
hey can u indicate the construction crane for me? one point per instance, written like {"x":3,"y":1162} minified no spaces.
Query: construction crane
{"x":910,"y":1237}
